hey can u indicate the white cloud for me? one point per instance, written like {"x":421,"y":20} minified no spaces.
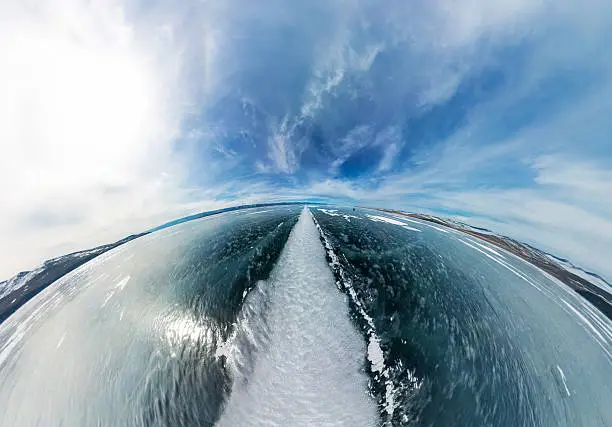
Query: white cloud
{"x":388,"y":158}
{"x":96,"y":96}
{"x":284,"y":148}
{"x":583,"y":181}
{"x":437,"y":44}
{"x":567,"y":210}
{"x":555,"y":221}
{"x":88,"y":114}
{"x":560,"y":227}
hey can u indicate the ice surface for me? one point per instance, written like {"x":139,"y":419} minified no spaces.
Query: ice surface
{"x":379,"y":218}
{"x":334,"y":212}
{"x":129,"y":338}
{"x":424,"y":223}
{"x":311,"y":371}
{"x":487,"y":335}
{"x":487,"y":248}
{"x":206,"y":322}
{"x":375,"y":354}
{"x":258,"y":212}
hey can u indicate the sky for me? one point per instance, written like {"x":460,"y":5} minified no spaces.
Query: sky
{"x":116,"y":116}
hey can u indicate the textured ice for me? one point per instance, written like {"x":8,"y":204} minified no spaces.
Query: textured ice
{"x":179,"y":328}
{"x":487,"y":248}
{"x":379,"y":218}
{"x":334,"y":212}
{"x":258,"y":212}
{"x":126,"y":339}
{"x":310,"y":371}
{"x":375,"y":353}
{"x":564,"y":380}
{"x":423,"y":223}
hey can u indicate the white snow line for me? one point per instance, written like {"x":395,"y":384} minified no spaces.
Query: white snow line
{"x":121,"y":284}
{"x":108,"y":297}
{"x":564,"y":380}
{"x":426,"y":224}
{"x":414,"y":221}
{"x":438,"y":228}
{"x":378,"y":218}
{"x":61,"y":340}
{"x":585,"y":320}
{"x":489,"y":249}
{"x":509,"y":267}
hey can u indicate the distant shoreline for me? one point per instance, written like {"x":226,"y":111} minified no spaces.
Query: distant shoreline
{"x":600,"y":298}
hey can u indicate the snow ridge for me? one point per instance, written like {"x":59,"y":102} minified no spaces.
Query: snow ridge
{"x":308,"y":368}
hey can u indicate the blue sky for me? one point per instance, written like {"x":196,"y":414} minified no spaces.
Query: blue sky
{"x":120,"y":115}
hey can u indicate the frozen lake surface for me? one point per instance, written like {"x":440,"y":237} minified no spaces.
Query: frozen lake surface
{"x":306,"y":316}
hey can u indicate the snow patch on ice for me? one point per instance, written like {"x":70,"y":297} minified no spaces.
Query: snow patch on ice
{"x":489,"y":249}
{"x":426,"y":224}
{"x":121,"y":284}
{"x":438,"y":228}
{"x":564,"y":380}
{"x":330,"y":212}
{"x":378,"y":218}
{"x":414,"y":221}
{"x":376,"y":355}
{"x":249,"y":333}
{"x":334,"y":212}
